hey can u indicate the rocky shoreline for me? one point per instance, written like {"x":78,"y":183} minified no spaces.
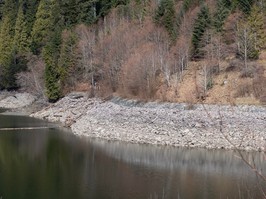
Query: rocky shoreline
{"x":24,"y":103}
{"x":204,"y":126}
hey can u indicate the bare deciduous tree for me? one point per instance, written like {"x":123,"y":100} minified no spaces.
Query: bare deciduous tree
{"x":245,"y":43}
{"x":32,"y":80}
{"x":87,"y":41}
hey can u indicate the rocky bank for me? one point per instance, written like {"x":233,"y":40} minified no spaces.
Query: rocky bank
{"x":205,"y":126}
{"x":24,"y":103}
{"x":14,"y":100}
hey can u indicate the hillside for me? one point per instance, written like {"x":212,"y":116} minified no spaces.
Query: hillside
{"x":211,"y":51}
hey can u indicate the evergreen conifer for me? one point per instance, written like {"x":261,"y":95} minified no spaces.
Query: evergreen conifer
{"x":165,"y":15}
{"x":7,"y":55}
{"x":245,"y":5}
{"x":86,"y":11}
{"x":67,"y":59}
{"x":257,"y":24}
{"x":201,"y":24}
{"x":22,"y":36}
{"x":50,"y":56}
{"x":223,"y":10}
{"x":43,"y":24}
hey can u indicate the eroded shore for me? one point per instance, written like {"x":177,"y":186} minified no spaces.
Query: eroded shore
{"x":205,"y":126}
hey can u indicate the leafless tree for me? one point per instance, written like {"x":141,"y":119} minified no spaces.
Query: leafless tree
{"x":87,"y":41}
{"x":32,"y":80}
{"x":245,"y":42}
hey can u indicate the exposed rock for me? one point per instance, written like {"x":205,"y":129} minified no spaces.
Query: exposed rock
{"x":18,"y":100}
{"x":207,"y":126}
{"x":77,"y":95}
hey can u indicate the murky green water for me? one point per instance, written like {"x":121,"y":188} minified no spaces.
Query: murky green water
{"x":53,"y":164}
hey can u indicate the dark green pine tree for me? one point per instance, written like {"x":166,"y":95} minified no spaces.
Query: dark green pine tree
{"x":103,"y":7}
{"x":30,"y":9}
{"x":22,"y":35}
{"x":43,"y":25}
{"x":186,"y":5}
{"x":124,"y":2}
{"x":51,"y":53}
{"x":245,"y":5}
{"x":86,"y":11}
{"x":224,"y":8}
{"x":228,"y":4}
{"x":23,"y":27}
{"x":68,"y":59}
{"x":165,"y":15}
{"x":202,"y":23}
{"x":7,"y":55}
{"x":50,"y":56}
{"x":68,"y":12}
{"x":2,"y":3}
{"x":256,"y":21}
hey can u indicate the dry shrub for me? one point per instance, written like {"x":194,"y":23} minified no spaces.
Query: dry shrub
{"x":243,"y":90}
{"x":259,"y":88}
{"x":252,"y":71}
{"x":82,"y":87}
{"x":32,"y":80}
{"x":247,"y":73}
{"x":234,"y":65}
{"x":200,"y":94}
{"x":116,"y":49}
{"x":262,"y":55}
{"x":139,"y":76}
{"x":229,"y":27}
{"x":190,"y":100}
{"x":215,"y":69}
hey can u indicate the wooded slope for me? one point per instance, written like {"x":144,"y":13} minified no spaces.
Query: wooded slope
{"x":185,"y":51}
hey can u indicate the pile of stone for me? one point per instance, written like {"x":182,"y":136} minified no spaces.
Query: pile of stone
{"x":204,"y":126}
{"x":16,"y":100}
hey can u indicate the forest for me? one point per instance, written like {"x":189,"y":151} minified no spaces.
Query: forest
{"x":168,"y":50}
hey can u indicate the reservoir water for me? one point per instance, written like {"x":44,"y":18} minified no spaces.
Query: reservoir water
{"x":53,"y":164}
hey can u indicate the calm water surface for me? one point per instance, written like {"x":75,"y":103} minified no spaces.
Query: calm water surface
{"x":53,"y":164}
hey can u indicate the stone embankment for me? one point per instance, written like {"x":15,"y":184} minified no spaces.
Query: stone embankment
{"x":205,"y":126}
{"x":21,"y":103}
{"x":10,"y":100}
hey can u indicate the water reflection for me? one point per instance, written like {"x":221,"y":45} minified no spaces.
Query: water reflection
{"x":2,"y":110}
{"x":53,"y":164}
{"x":211,"y":161}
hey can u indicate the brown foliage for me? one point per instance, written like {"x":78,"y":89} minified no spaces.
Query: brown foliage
{"x":259,"y":88}
{"x":126,"y":53}
{"x":230,"y":27}
{"x":82,"y":87}
{"x":252,"y":71}
{"x":234,"y":65}
{"x":243,"y":90}
{"x":139,"y":73}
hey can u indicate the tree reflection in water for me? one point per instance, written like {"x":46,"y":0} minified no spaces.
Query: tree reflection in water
{"x":53,"y":164}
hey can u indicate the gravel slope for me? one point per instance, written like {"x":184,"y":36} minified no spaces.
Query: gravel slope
{"x":161,"y":123}
{"x":15,"y":100}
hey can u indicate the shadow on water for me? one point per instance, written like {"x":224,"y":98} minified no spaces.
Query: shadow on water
{"x":50,"y":163}
{"x":2,"y":110}
{"x":20,"y":121}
